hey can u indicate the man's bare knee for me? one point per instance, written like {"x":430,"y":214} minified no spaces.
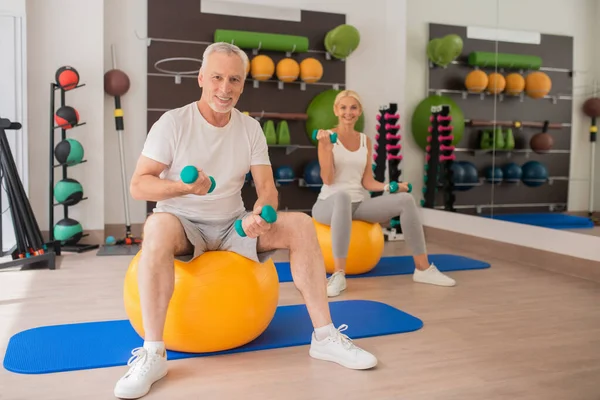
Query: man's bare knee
{"x":163,"y":231}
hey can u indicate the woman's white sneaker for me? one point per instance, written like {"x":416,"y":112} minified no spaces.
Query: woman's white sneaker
{"x":432,"y":276}
{"x":340,"y":349}
{"x":145,"y":369}
{"x":336,"y":284}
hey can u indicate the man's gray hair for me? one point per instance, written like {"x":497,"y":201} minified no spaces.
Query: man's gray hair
{"x":227,"y":48}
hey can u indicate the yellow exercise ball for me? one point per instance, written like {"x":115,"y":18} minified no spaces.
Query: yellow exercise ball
{"x":365,"y":251}
{"x":262,"y":67}
{"x":515,"y":84}
{"x":476,"y":81}
{"x":496,"y":83}
{"x":311,"y":70}
{"x":221,"y":300}
{"x":537,"y":84}
{"x":287,"y":70}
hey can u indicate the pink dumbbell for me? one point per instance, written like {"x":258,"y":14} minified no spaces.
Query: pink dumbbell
{"x":389,"y":126}
{"x":393,"y":157}
{"x":443,"y":147}
{"x":378,"y":117}
{"x":442,"y":158}
{"x":440,"y":118}
{"x":392,"y":116}
{"x":377,"y":136}
{"x":443,"y":138}
{"x":374,"y":155}
{"x":389,"y":147}
{"x":389,"y":136}
{"x":377,"y":127}
{"x":440,"y":128}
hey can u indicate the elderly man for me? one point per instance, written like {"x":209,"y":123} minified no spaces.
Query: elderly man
{"x":213,"y":135}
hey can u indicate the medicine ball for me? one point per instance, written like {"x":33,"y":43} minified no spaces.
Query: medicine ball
{"x":287,"y":70}
{"x":493,"y":174}
{"x":68,"y":230}
{"x":470,"y":175}
{"x":512,"y":172}
{"x":116,"y":82}
{"x":311,"y":70}
{"x":284,"y":175}
{"x":541,"y":142}
{"x":67,"y":77}
{"x":312,"y":175}
{"x":534,"y":173}
{"x":262,"y":67}
{"x":591,"y":107}
{"x":68,"y":191}
{"x":66,"y":117}
{"x":69,"y":151}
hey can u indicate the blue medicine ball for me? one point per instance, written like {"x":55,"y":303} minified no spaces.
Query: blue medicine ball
{"x":534,"y":174}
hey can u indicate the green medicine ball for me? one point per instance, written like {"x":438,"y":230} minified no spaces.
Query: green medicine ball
{"x":421,"y":123}
{"x":68,"y":191}
{"x":69,"y":151}
{"x":320,"y":114}
{"x":342,"y":40}
{"x":68,"y":230}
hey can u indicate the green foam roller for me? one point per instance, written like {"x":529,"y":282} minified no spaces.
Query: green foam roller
{"x":262,"y":41}
{"x":504,"y":60}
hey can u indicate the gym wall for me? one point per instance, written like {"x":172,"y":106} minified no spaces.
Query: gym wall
{"x":165,"y":21}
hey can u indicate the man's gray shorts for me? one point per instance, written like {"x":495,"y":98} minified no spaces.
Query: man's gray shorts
{"x":220,"y":235}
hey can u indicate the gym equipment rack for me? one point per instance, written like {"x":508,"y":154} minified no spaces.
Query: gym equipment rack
{"x":30,"y":247}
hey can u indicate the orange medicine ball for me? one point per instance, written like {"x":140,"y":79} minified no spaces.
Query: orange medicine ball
{"x":311,"y":70}
{"x":262,"y":67}
{"x":515,"y":84}
{"x":287,"y":70}
{"x":496,"y":83}
{"x":537,"y":84}
{"x":476,"y":81}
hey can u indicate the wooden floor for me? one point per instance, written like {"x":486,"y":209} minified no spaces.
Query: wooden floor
{"x":508,"y":332}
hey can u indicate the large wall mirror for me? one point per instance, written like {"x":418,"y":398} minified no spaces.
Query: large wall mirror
{"x":520,"y":110}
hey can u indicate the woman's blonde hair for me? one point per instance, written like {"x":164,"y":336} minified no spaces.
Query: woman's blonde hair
{"x":347,"y":93}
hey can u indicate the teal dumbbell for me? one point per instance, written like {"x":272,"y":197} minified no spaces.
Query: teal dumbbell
{"x":394,"y":187}
{"x":332,"y":137}
{"x":189,"y":174}
{"x":267,"y":213}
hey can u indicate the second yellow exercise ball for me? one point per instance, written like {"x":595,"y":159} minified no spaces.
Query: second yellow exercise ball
{"x":221,"y":300}
{"x":496,"y":83}
{"x":365,"y":251}
{"x":287,"y":70}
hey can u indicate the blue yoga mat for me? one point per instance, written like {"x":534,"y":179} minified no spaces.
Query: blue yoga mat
{"x":401,"y":265}
{"x":548,"y":220}
{"x":103,"y":344}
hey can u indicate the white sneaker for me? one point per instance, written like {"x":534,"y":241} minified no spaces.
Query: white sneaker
{"x":432,"y":276}
{"x":339,"y":348}
{"x":146,"y":368}
{"x":336,"y":284}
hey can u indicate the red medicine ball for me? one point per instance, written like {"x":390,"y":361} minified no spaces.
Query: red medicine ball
{"x":67,"y":77}
{"x":66,"y":117}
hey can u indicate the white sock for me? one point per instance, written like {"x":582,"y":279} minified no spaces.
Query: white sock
{"x":154,"y":347}
{"x":324,"y":331}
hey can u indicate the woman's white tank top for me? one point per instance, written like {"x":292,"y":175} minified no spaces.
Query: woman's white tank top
{"x":349,"y":169}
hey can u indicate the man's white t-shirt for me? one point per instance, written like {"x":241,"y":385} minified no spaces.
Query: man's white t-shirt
{"x":183,"y":137}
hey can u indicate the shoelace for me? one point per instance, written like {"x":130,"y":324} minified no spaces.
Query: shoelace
{"x":345,"y":340}
{"x":138,"y":361}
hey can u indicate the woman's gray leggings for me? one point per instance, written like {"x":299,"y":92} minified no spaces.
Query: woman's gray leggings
{"x":338,"y":212}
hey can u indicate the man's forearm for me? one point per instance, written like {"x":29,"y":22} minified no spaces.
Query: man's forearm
{"x":270,"y":197}
{"x":152,"y":188}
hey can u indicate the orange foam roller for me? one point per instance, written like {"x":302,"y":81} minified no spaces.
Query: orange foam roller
{"x":220,"y":301}
{"x":365,"y":251}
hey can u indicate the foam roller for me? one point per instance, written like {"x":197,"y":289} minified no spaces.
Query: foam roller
{"x":504,"y":60}
{"x":262,"y":41}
